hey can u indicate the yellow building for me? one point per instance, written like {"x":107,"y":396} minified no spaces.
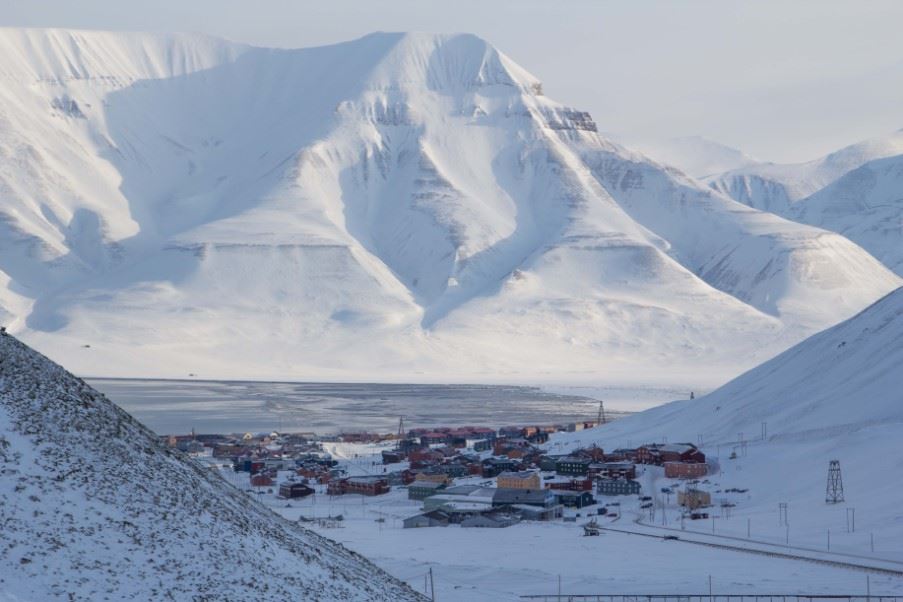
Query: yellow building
{"x":519,"y":480}
{"x":694,"y":498}
{"x":433,"y":478}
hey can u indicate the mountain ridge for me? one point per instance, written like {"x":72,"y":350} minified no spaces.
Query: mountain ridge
{"x":411,"y":190}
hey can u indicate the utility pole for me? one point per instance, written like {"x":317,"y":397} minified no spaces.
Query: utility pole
{"x":829,"y":540}
{"x":711,"y":598}
{"x":432,"y":586}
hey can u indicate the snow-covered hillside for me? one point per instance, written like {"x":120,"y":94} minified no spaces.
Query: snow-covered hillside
{"x":844,"y":379}
{"x":856,"y":191}
{"x":866,"y":206}
{"x":260,"y":212}
{"x":836,"y":395}
{"x":92,"y":508}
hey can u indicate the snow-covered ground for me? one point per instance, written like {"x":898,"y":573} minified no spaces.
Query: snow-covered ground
{"x":176,"y":204}
{"x":528,"y":558}
{"x":834,"y":396}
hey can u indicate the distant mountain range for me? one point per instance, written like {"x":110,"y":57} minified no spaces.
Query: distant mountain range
{"x":856,"y":191}
{"x":402,"y":206}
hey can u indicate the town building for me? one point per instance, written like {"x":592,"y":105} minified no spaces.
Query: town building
{"x":358,"y":485}
{"x":491,"y":520}
{"x":419,"y":490}
{"x":574,"y":499}
{"x":538,"y":513}
{"x":573,"y":465}
{"x":435,"y":477}
{"x":261,"y":480}
{"x":694,"y":498}
{"x":294,"y":489}
{"x":531,"y":497}
{"x":519,"y":480}
{"x":493,"y":467}
{"x":613,"y":470}
{"x":571,"y":485}
{"x":434,"y":518}
{"x":685,"y":470}
{"x":617,"y":487}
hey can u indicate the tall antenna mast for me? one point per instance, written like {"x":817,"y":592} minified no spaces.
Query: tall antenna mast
{"x":601,"y":418}
{"x":834,"y":490}
{"x":400,"y":427}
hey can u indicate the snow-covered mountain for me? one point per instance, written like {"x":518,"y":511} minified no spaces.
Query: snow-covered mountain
{"x":694,"y":155}
{"x":403,"y":205}
{"x":777,"y":187}
{"x":866,"y":206}
{"x":856,"y":191}
{"x":93,"y":507}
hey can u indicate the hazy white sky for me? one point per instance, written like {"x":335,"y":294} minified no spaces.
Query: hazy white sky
{"x":783,"y":80}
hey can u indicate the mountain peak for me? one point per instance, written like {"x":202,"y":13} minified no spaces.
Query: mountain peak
{"x":444,"y":62}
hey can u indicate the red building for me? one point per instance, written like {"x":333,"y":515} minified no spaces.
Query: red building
{"x":685,"y":470}
{"x":672,"y":452}
{"x":572,"y":485}
{"x":359,"y":485}
{"x":261,"y":480}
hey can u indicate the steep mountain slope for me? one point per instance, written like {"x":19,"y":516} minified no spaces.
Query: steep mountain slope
{"x":855,"y":191}
{"x":261,"y":212}
{"x":776,"y":188}
{"x":92,"y":507}
{"x":866,"y":206}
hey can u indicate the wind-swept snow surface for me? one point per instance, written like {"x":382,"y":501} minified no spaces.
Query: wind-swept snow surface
{"x":92,"y":507}
{"x":399,"y":206}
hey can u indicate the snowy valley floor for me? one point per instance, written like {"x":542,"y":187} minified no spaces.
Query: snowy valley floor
{"x":528,"y":558}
